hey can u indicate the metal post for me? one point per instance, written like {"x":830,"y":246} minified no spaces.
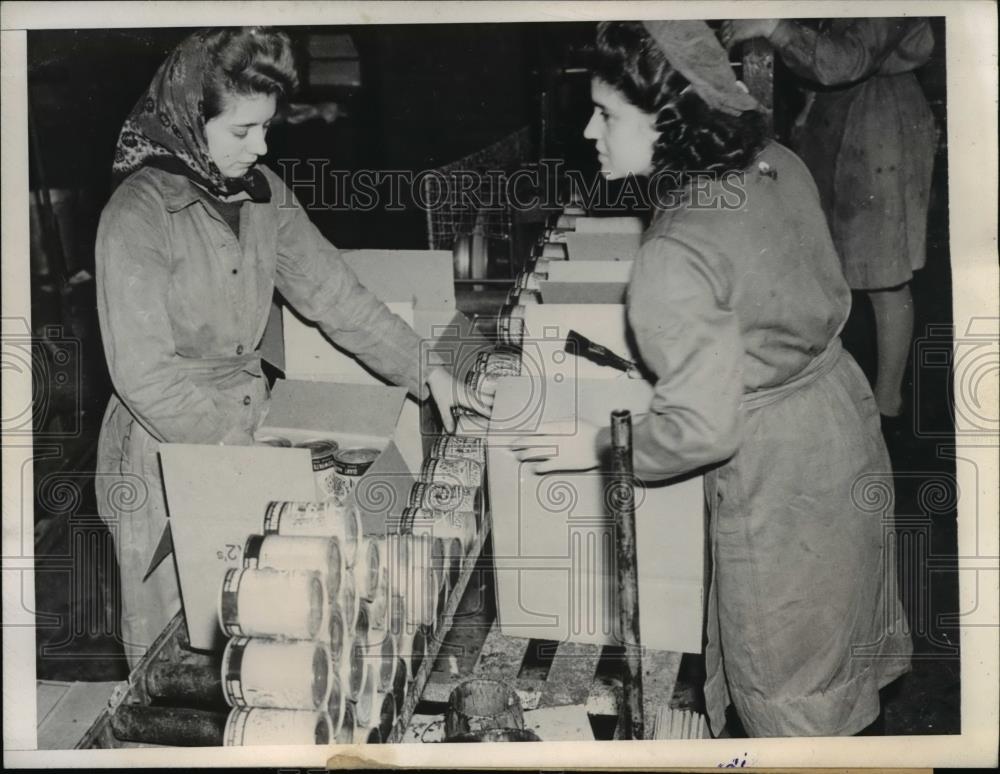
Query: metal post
{"x":630,"y":711}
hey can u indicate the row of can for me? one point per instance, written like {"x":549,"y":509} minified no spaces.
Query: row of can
{"x":329,"y":625}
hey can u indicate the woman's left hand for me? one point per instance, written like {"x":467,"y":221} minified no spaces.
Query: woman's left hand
{"x":448,"y":393}
{"x":735,"y":31}
{"x":569,"y":444}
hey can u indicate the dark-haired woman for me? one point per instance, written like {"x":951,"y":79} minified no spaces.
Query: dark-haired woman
{"x":737,"y":311}
{"x":190,"y":249}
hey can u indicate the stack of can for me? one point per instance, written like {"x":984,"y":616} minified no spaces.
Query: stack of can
{"x":311,"y":656}
{"x":443,"y":519}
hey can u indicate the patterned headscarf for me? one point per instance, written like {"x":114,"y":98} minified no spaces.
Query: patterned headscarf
{"x":693,"y":50}
{"x":166,"y":128}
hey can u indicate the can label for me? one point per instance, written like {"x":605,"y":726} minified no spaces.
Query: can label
{"x":498,"y":363}
{"x":233,"y":683}
{"x":230,"y":608}
{"x":251,"y":551}
{"x":468,"y":447}
{"x":443,"y":497}
{"x":453,"y":470}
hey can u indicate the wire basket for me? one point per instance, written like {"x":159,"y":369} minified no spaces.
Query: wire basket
{"x":468,"y":197}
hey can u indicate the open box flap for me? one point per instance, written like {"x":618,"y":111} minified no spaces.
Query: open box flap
{"x":355,"y":409}
{"x":216,"y":496}
{"x":423,"y":277}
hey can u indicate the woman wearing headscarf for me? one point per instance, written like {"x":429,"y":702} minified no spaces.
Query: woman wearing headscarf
{"x":736,"y":306}
{"x":191,"y":246}
{"x":868,"y":137}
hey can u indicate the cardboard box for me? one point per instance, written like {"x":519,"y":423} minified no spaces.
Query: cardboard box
{"x":419,"y":287}
{"x":546,"y":327}
{"x":611,"y":225}
{"x":586,"y":282}
{"x":602,"y":246}
{"x":554,"y":539}
{"x":216,"y":495}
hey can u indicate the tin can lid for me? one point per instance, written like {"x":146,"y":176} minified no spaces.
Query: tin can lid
{"x":354,"y":462}
{"x":323,"y":452}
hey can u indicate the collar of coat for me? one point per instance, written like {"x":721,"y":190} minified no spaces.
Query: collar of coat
{"x":180,"y":191}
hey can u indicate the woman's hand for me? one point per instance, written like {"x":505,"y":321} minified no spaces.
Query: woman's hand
{"x":568,"y":444}
{"x":448,"y":393}
{"x":735,"y":31}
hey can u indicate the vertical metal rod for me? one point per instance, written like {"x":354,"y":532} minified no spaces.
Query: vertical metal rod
{"x":630,"y":711}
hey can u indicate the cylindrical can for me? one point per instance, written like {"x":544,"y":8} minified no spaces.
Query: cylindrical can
{"x":452,"y":470}
{"x":347,"y":602}
{"x":270,"y":673}
{"x":412,"y":645}
{"x":421,"y":592}
{"x":263,"y":725}
{"x":336,"y":704}
{"x":386,"y":714}
{"x":510,"y":325}
{"x":326,"y":519}
{"x":444,"y":525}
{"x":455,"y":557}
{"x":498,"y":362}
{"x":273,"y":440}
{"x":345,"y":734}
{"x":350,"y":465}
{"x":356,"y":663}
{"x":476,"y":382}
{"x":469,"y":447}
{"x":387,"y":666}
{"x":323,"y":451}
{"x":332,"y":635}
{"x":365,"y":708}
{"x":446,"y":497}
{"x":294,"y":552}
{"x":271,"y":603}
{"x":379,"y":604}
{"x":397,"y":553}
{"x":368,"y":567}
{"x":399,"y":683}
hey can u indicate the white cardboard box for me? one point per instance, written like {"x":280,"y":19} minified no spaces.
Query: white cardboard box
{"x":418,"y":286}
{"x":553,"y":537}
{"x":602,"y":246}
{"x":586,"y":282}
{"x":216,"y":495}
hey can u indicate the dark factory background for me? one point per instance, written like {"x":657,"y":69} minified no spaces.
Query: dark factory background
{"x":409,"y":98}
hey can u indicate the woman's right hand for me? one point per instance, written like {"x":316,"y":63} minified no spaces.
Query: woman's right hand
{"x":448,"y":393}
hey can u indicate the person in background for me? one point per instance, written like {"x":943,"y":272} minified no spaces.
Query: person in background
{"x":737,"y":311}
{"x":191,"y":246}
{"x":868,"y":137}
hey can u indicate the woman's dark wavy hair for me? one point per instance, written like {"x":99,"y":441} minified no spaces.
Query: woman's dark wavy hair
{"x":247,"y":61}
{"x":693,"y":137}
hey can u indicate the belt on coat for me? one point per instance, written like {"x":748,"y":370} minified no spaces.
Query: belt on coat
{"x":819,"y":366}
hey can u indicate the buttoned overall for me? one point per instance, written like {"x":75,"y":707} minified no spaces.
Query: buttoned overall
{"x":737,"y":300}
{"x":183,"y":305}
